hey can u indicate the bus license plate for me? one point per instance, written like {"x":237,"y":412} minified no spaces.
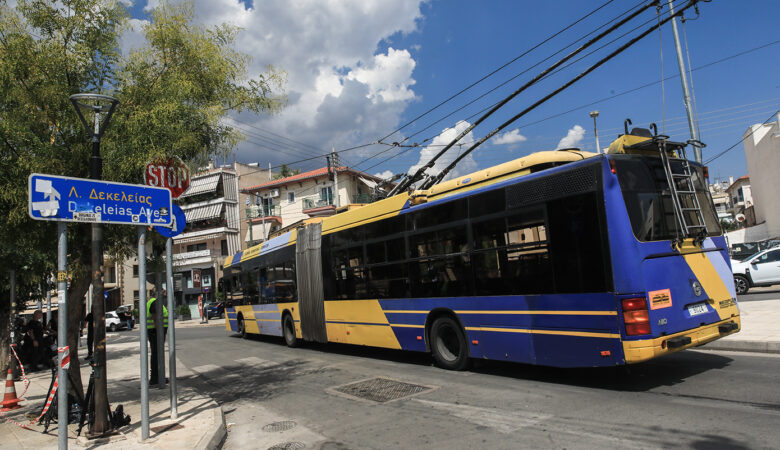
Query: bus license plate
{"x":698,"y":308}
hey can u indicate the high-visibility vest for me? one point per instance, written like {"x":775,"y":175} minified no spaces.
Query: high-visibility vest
{"x":149,"y":320}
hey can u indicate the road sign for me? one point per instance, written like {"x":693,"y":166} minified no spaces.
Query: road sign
{"x":66,"y":199}
{"x":179,"y":222}
{"x":170,"y":173}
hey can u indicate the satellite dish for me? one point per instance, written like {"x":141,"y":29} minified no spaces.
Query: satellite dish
{"x":740,"y":217}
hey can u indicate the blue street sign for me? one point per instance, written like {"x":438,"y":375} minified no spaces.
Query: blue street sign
{"x":67,"y":199}
{"x":179,"y":222}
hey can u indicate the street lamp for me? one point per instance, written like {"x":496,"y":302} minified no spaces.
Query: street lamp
{"x":99,"y":105}
{"x":595,"y":114}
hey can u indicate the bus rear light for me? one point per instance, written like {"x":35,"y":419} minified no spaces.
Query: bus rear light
{"x":605,"y":353}
{"x":635,"y":316}
{"x":612,"y":167}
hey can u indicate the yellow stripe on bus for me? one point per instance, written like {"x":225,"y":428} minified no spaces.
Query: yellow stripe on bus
{"x":561,"y":333}
{"x":561,"y":313}
{"x":711,"y":281}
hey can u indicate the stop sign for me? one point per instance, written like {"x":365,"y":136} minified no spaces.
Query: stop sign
{"x":168,"y":172}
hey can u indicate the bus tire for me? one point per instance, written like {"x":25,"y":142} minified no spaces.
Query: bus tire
{"x":288,"y":330}
{"x":242,"y":327}
{"x":741,"y":284}
{"x":448,"y":344}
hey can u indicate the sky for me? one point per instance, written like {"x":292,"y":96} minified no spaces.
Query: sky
{"x":358,"y":70}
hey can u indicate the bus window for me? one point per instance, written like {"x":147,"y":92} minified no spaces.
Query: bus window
{"x":442,"y":277}
{"x":528,"y":268}
{"x":491,"y":202}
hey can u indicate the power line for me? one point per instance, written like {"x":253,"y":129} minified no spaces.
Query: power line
{"x":497,"y":70}
{"x":743,"y":139}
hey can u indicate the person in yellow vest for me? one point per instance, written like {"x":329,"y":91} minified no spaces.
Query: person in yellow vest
{"x":151,"y":332}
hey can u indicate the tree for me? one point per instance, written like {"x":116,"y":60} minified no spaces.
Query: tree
{"x":285,"y":172}
{"x":174,"y":93}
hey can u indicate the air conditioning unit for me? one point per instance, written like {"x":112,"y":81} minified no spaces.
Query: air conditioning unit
{"x":273,"y":193}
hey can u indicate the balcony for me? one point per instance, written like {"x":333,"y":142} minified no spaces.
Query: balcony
{"x":196,"y":257}
{"x":362,"y":198}
{"x":257,"y":214}
{"x":315,"y":206}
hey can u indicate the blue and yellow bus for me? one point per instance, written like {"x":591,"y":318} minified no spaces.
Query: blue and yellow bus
{"x":561,"y":258}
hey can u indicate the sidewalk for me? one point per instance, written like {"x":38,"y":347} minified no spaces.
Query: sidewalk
{"x":760,"y":329}
{"x":201,"y":423}
{"x":195,"y":322}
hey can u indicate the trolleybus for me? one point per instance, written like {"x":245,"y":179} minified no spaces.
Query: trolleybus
{"x":561,"y":258}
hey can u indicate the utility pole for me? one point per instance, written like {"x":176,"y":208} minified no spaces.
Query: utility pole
{"x":595,"y":114}
{"x":99,"y":105}
{"x":335,"y":159}
{"x":249,"y":218}
{"x":684,"y":80}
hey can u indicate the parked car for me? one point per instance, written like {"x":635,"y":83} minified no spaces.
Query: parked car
{"x":113,"y":322}
{"x":215,"y":310}
{"x":761,"y":269}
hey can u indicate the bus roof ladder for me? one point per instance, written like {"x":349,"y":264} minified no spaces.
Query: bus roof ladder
{"x":679,"y":176}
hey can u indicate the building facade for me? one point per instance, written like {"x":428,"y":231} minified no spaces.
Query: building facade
{"x":741,"y":199}
{"x":282,"y":203}
{"x":762,"y":152}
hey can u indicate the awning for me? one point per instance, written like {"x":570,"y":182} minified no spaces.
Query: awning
{"x":258,"y":233}
{"x":202,"y":185}
{"x":369,"y":183}
{"x":204,"y":212}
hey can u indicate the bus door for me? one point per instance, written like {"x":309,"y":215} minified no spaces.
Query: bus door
{"x":308,"y":262}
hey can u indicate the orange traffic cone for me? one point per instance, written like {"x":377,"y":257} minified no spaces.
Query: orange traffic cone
{"x":10,"y":400}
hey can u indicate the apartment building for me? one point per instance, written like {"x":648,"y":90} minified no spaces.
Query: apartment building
{"x":284,"y":202}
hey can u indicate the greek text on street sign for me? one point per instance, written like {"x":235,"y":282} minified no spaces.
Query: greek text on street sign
{"x":68,"y":199}
{"x":170,"y":173}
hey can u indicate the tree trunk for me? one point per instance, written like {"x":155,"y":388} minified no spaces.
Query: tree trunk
{"x":78,"y":288}
{"x":5,"y":335}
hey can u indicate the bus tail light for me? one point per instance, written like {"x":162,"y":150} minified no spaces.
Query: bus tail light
{"x":635,"y":316}
{"x":612,"y":167}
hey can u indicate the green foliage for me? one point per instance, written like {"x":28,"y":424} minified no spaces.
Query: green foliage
{"x":183,"y":311}
{"x":728,"y":225}
{"x":285,"y":172}
{"x":174,"y":93}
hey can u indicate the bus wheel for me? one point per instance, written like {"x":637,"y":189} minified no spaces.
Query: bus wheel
{"x":241,"y":327}
{"x":448,"y":344}
{"x":741,"y":284}
{"x":288,"y":327}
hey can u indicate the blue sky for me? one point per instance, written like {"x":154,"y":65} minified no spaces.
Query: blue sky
{"x":358,"y":71}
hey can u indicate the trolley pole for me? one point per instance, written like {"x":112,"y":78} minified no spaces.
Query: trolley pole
{"x":171,"y":328}
{"x":684,"y":80}
{"x":143,"y":332}
{"x":62,"y":334}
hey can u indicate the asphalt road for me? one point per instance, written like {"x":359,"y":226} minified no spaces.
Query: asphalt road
{"x":761,"y":293}
{"x":273,"y":395}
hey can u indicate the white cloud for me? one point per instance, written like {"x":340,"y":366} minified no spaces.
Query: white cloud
{"x":389,"y":77}
{"x":341,"y":90}
{"x":387,"y":174}
{"x":133,"y":38}
{"x":572,"y":138}
{"x":510,"y":137}
{"x":466,"y":165}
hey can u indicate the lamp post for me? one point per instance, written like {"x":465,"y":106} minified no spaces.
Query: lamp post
{"x":595,"y":114}
{"x":103,"y":107}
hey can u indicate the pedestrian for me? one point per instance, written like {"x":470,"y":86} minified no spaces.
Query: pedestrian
{"x":35,"y":347}
{"x":151,"y":332}
{"x":90,"y":335}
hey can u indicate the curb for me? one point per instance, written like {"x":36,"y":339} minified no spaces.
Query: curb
{"x":214,"y":437}
{"x":745,"y":346}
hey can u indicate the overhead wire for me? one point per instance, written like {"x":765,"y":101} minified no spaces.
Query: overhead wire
{"x":498,"y":69}
{"x":743,"y":138}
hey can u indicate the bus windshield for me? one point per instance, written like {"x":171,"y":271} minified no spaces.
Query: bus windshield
{"x":649,"y":202}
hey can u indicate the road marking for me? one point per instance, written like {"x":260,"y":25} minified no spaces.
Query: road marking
{"x":502,"y":421}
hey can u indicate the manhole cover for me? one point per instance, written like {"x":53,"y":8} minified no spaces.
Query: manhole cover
{"x":288,"y":446}
{"x":381,"y":389}
{"x":164,"y":428}
{"x":280,"y":426}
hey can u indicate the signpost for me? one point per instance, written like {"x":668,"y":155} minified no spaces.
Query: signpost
{"x":66,"y":199}
{"x":170,"y":173}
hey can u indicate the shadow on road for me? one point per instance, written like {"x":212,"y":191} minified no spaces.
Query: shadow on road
{"x":665,"y":371}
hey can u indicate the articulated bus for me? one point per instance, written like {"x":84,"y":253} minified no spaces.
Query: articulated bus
{"x":561,"y":258}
